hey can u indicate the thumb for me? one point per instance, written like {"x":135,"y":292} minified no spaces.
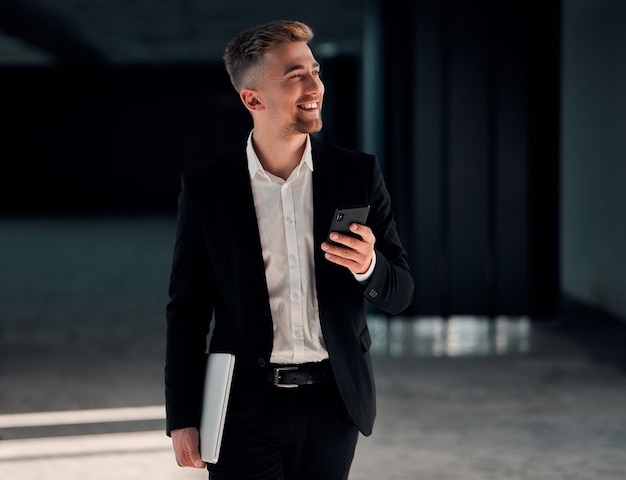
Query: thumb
{"x":194,"y":456}
{"x":186,"y":446}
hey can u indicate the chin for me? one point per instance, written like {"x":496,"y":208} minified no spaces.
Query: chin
{"x":313,"y":126}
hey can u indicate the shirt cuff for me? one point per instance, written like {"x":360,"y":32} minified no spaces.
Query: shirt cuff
{"x":364,"y":277}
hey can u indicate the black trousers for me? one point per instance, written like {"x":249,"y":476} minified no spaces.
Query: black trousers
{"x":300,"y":433}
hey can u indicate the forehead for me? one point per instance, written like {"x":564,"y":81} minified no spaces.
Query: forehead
{"x":288,"y":57}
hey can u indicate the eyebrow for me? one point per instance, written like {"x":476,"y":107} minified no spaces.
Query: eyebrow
{"x":293,"y":68}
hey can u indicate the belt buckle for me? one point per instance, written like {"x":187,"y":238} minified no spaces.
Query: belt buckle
{"x":277,"y":374}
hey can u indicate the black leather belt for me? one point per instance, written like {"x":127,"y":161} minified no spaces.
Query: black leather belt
{"x":303,"y":374}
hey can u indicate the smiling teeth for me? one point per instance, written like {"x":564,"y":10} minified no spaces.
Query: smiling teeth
{"x":308,"y":106}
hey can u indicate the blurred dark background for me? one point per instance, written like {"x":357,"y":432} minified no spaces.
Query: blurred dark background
{"x":499,"y":124}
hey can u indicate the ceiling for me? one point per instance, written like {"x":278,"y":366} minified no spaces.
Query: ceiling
{"x":123,"y":32}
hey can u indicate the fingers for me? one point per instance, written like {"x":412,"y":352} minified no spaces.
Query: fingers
{"x":364,"y":243}
{"x":186,"y":443}
{"x":354,"y":254}
{"x":364,"y":232}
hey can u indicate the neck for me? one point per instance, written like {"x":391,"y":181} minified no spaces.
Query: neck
{"x":279,"y":156}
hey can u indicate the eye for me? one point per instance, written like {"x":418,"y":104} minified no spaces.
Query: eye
{"x":315,"y":73}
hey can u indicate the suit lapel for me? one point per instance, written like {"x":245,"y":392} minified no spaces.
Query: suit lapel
{"x":240,"y":213}
{"x":324,"y":189}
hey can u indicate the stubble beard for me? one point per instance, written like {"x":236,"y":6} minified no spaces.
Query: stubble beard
{"x":308,"y":126}
{"x":299,"y":126}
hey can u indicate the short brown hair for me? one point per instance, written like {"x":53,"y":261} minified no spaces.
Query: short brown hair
{"x":246,"y":49}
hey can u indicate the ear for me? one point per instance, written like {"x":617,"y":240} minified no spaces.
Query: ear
{"x":251,"y":99}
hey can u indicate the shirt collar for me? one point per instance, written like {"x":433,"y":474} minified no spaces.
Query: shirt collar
{"x":254,"y":164}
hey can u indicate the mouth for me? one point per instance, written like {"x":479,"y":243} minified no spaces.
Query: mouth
{"x":309,"y":106}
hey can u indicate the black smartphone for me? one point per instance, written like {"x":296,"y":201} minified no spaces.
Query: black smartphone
{"x":344,"y":217}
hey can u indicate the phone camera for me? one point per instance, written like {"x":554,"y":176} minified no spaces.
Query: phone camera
{"x":339,"y":217}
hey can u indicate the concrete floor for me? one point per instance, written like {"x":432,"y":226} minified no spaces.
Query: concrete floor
{"x":82,"y":329}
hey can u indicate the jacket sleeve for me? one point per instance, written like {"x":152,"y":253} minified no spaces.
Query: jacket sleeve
{"x":188,"y":314}
{"x":390,"y":287}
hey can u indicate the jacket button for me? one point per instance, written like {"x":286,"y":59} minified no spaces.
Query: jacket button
{"x":372,"y":293}
{"x":261,"y":362}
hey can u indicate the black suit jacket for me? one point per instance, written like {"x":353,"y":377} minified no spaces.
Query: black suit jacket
{"x":218,"y":272}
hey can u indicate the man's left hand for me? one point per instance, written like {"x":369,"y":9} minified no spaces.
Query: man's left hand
{"x":354,"y":254}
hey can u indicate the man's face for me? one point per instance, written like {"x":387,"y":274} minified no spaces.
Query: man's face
{"x":291,"y":89}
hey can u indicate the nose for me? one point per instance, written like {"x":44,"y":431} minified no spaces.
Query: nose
{"x":315,"y":85}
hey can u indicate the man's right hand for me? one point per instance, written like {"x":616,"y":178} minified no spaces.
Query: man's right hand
{"x":187,"y":447}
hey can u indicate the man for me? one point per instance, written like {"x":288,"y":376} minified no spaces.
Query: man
{"x":251,"y":253}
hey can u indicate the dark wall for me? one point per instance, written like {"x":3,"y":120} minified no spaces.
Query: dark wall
{"x":593,"y":180}
{"x":471,"y":151}
{"x":106,"y":139}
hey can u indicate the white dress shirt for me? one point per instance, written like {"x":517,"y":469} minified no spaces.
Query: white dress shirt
{"x":284,"y":211}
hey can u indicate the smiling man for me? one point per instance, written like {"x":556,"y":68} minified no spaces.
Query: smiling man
{"x":288,"y":304}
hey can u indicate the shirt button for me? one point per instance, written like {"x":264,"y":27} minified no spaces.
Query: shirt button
{"x":289,"y":220}
{"x":295,"y":296}
{"x":293,"y":258}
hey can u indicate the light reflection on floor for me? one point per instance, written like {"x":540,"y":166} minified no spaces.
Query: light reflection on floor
{"x":456,"y":336}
